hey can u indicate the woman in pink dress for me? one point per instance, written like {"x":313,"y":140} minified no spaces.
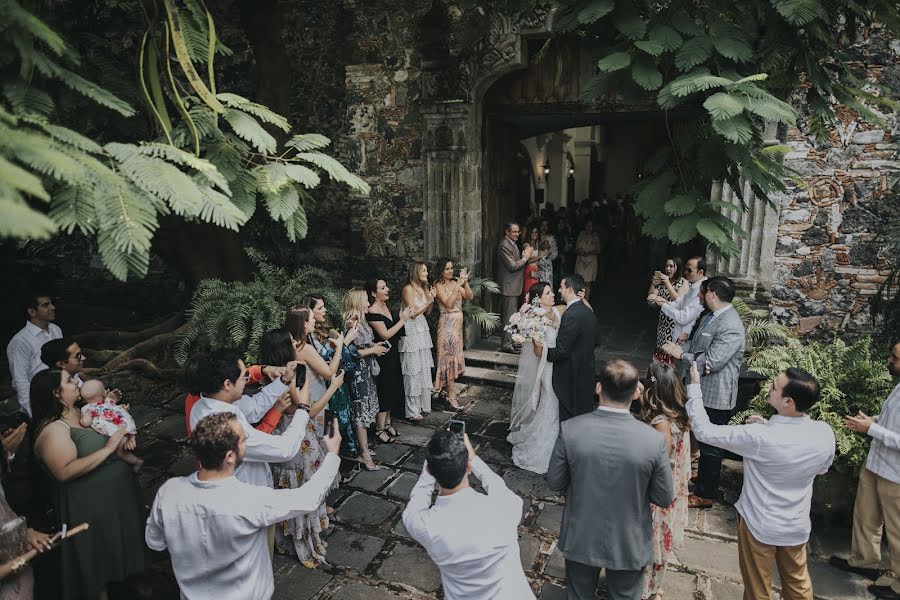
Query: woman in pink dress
{"x":662,"y":406}
{"x":450,"y":294}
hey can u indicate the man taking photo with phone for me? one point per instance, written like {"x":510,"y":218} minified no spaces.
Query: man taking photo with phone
{"x":471,"y":537}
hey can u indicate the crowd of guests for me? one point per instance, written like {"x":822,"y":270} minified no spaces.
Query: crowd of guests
{"x":268,"y":460}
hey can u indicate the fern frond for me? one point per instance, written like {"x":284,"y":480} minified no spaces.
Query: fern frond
{"x":247,"y":128}
{"x":335,"y":170}
{"x":308,"y":141}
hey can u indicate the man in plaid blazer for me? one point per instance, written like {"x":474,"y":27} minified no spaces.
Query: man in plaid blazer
{"x":718,"y":348}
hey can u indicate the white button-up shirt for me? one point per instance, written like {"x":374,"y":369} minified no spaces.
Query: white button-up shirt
{"x":262,"y":448}
{"x":472,"y":538}
{"x":781,"y":460}
{"x":684,"y":310}
{"x":884,"y":453}
{"x":215,"y":531}
{"x":24,"y":355}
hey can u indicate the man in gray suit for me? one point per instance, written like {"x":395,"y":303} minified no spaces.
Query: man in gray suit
{"x":610,"y":467}
{"x":718,"y":348}
{"x":510,"y":263}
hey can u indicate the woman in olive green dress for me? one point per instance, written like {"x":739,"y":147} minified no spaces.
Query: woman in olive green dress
{"x":91,"y":484}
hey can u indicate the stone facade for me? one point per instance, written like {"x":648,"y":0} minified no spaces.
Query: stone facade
{"x":827,"y":260}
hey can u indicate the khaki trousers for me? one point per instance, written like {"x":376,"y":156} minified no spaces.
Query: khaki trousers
{"x":877,"y":508}
{"x":755,"y":560}
{"x":270,"y":538}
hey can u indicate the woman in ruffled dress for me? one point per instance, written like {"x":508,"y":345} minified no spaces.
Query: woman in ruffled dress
{"x":450,"y":294}
{"x":663,"y":407}
{"x":415,"y":346}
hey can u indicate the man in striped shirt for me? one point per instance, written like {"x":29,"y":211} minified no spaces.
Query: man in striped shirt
{"x":878,"y":495}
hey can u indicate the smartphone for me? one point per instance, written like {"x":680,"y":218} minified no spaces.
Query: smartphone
{"x":457,"y":426}
{"x":329,"y":423}
{"x":300,"y":379}
{"x":387,"y":344}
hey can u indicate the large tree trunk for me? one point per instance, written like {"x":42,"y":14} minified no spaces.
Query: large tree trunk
{"x":261,"y":21}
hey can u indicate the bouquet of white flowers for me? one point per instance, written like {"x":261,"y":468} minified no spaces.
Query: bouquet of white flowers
{"x":529,"y":323}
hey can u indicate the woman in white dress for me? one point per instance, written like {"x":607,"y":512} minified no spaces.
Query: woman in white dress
{"x":534,"y":418}
{"x":415,"y":346}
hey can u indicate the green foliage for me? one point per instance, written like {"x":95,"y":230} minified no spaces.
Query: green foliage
{"x":759,"y":328}
{"x":728,"y":65}
{"x":851,"y":379}
{"x":237,"y":314}
{"x":475,"y":313}
{"x":885,"y":306}
{"x":214,"y":161}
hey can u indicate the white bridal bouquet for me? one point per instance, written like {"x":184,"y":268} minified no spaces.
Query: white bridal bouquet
{"x":529,"y":323}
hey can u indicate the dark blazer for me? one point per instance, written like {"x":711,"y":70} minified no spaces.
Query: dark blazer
{"x":611,"y":467}
{"x":573,"y":361}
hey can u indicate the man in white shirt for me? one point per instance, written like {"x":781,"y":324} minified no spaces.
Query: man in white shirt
{"x":64,"y":354}
{"x":24,"y":349}
{"x":221,"y":377}
{"x":782,"y":457}
{"x":471,"y":537}
{"x":685,"y":309}
{"x":877,"y":505}
{"x":214,"y":526}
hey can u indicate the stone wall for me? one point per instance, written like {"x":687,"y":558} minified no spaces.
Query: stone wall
{"x":828,"y":263}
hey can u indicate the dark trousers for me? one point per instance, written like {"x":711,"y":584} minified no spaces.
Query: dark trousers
{"x":710,"y":467}
{"x":508,"y":306}
{"x":581,"y":582}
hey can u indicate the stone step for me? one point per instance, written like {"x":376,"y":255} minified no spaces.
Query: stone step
{"x":490,"y":358}
{"x":503,"y":378}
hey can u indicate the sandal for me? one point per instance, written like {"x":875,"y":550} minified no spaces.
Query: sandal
{"x":387,"y":439}
{"x":454,"y":404}
{"x":391,"y":431}
{"x":698,"y":502}
{"x":415,"y":419}
{"x":362,"y":461}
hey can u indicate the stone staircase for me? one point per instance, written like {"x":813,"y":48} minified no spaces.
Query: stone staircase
{"x":486,"y":365}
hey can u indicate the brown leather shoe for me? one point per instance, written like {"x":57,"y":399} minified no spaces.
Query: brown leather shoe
{"x":698,"y":502}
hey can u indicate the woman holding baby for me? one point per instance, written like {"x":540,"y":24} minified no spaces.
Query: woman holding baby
{"x":92,"y":484}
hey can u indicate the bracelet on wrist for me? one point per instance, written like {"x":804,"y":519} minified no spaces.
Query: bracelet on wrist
{"x":305,"y":407}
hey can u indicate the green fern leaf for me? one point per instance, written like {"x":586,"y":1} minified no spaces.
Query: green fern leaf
{"x":335,"y":170}
{"x":629,"y":22}
{"x":694,"y":52}
{"x":73,"y":208}
{"x":272,"y":178}
{"x":723,"y":105}
{"x":800,"y":12}
{"x":302,"y":175}
{"x":645,"y":73}
{"x":79,"y":84}
{"x":614,"y":62}
{"x":657,"y":226}
{"x":19,"y":179}
{"x":26,"y":99}
{"x":684,"y":229}
{"x":685,"y":24}
{"x":769,"y":108}
{"x":243,"y":192}
{"x":666,"y":37}
{"x":19,"y":219}
{"x":17,"y":17}
{"x":257,"y":110}
{"x":218,"y":209}
{"x":210,"y":173}
{"x":654,"y":193}
{"x":680,"y":205}
{"x":308,"y":141}
{"x":729,"y":41}
{"x":712,"y":232}
{"x":296,"y":226}
{"x":650,"y":47}
{"x":283,"y":203}
{"x":736,"y":129}
{"x":158,"y":178}
{"x":247,"y":128}
{"x":595,"y":11}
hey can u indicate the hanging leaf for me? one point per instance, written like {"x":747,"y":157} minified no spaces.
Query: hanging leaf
{"x":650,"y":47}
{"x":614,"y":62}
{"x":646,"y":74}
{"x":729,"y":41}
{"x":680,"y":205}
{"x":653,"y":193}
{"x":736,"y":129}
{"x":247,"y":128}
{"x":694,"y":52}
{"x":684,"y":229}
{"x":629,"y":22}
{"x":282,"y":204}
{"x":712,"y":232}
{"x":685,"y":24}
{"x":722,"y":105}
{"x":666,"y":37}
{"x":800,"y":12}
{"x":595,"y":11}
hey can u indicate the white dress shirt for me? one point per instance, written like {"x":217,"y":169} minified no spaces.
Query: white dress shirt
{"x":472,"y":538}
{"x":215,"y":531}
{"x":573,"y":301}
{"x":262,"y":448}
{"x":884,"y":453}
{"x":24,"y":355}
{"x":781,"y":460}
{"x":684,"y":310}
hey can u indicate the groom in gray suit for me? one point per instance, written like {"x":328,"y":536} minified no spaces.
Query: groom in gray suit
{"x":610,"y":467}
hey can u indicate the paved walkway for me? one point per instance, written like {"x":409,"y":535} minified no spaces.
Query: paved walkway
{"x":372,"y":557}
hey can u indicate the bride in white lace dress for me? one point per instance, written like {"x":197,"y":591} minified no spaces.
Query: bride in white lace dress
{"x":534,"y":418}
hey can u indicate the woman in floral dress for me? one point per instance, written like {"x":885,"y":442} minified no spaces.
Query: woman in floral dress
{"x":450,"y":294}
{"x":361,"y":374}
{"x":415,"y":346}
{"x":299,"y":536}
{"x":669,"y":285}
{"x":662,"y":406}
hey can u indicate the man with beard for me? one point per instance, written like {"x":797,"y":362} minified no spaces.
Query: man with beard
{"x":24,"y":349}
{"x":214,"y":526}
{"x":877,"y":505}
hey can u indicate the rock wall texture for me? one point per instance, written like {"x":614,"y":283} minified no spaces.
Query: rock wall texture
{"x":828,"y":263}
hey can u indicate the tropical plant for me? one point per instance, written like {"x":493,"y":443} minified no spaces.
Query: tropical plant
{"x":237,"y":314}
{"x":760,"y":329}
{"x":885,"y":306}
{"x":213,"y":162}
{"x":722,"y":71}
{"x":851,"y":378}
